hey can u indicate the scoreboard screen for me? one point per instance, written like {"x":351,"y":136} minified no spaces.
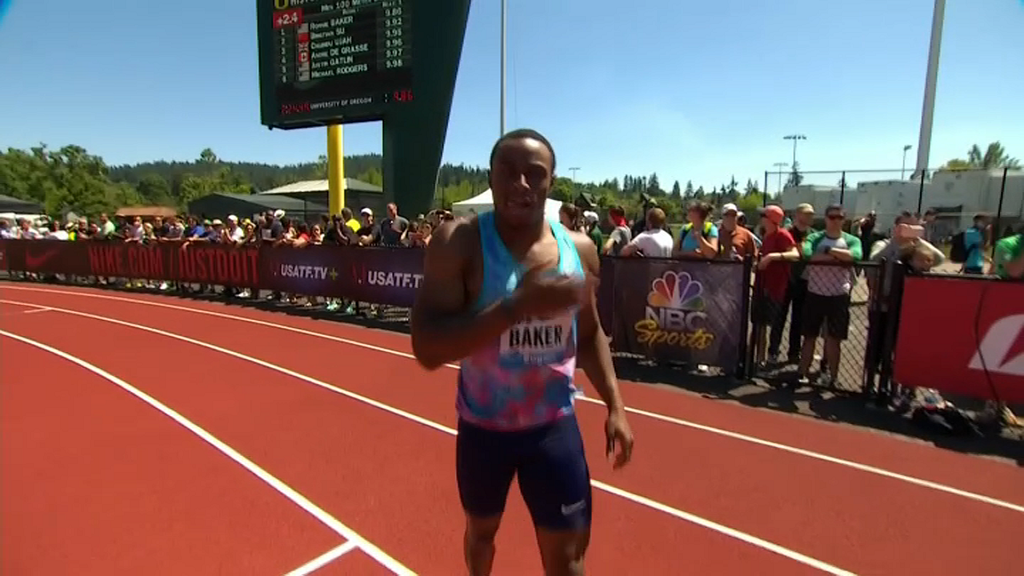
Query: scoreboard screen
{"x":333,"y":61}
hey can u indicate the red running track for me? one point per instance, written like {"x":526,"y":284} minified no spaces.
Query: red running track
{"x":391,"y":478}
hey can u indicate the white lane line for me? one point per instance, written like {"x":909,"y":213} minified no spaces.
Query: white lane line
{"x":285,"y":490}
{"x":921,"y":482}
{"x":323,"y":559}
{"x":34,"y":309}
{"x":636,"y":498}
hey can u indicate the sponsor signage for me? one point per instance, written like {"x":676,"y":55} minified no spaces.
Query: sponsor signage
{"x":962,"y":336}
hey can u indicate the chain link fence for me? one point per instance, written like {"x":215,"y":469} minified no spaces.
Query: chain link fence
{"x":802,"y":322}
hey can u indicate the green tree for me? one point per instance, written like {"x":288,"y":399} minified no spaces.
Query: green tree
{"x":677,"y":193}
{"x":688,"y":192}
{"x":654,"y":186}
{"x":995,"y":156}
{"x":153,"y":189}
{"x":795,"y":177}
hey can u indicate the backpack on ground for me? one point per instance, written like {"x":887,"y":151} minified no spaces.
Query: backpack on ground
{"x":958,"y":252}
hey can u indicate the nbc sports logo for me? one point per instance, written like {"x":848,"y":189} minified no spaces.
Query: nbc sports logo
{"x":674,"y":313}
{"x":676,"y":290}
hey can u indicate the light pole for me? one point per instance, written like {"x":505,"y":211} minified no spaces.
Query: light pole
{"x":574,"y":170}
{"x":903,"y":172}
{"x":924,"y":142}
{"x":778,"y":167}
{"x":504,"y":43}
{"x":795,"y":138}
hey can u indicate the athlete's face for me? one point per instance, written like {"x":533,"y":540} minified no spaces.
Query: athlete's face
{"x":520,"y":180}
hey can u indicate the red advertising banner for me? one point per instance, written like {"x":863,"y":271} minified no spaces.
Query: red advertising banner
{"x":962,"y":336}
{"x":199,"y":263}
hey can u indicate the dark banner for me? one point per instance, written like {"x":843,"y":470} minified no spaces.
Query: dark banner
{"x":378,"y":275}
{"x":962,"y":336}
{"x":678,"y":310}
{"x":198,"y":263}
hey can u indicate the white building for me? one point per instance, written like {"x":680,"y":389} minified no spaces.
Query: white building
{"x":956,"y":195}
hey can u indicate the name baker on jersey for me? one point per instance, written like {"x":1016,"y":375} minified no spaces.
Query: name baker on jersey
{"x":537,"y":341}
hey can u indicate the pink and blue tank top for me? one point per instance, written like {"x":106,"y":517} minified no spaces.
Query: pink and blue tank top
{"x":525,"y":377}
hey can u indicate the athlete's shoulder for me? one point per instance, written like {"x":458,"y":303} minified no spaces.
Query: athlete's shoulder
{"x":452,"y":243}
{"x":586,"y":249}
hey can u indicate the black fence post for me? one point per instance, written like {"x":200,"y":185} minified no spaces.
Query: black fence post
{"x":842,"y":189}
{"x":920,"y":191}
{"x":746,"y":367}
{"x":891,"y":318}
{"x":764,"y":197}
{"x":999,"y":213}
{"x":876,"y":330}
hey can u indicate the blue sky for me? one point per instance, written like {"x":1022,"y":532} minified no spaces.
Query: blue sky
{"x":690,"y":89}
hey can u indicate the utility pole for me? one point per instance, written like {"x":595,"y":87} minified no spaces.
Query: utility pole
{"x":504,"y":57}
{"x":924,"y":142}
{"x":903,"y":172}
{"x":778,"y":167}
{"x":795,"y":138}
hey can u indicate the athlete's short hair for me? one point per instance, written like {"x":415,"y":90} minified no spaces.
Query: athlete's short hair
{"x":521,"y":134}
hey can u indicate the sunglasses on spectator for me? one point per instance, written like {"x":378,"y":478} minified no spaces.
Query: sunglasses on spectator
{"x":834,"y":216}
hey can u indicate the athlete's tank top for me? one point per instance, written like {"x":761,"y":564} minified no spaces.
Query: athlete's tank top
{"x":524,"y":378}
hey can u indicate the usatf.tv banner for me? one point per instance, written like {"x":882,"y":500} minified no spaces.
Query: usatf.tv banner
{"x":378,"y":275}
{"x":678,"y":310}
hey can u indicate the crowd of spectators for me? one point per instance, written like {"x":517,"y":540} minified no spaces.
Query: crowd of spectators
{"x":805,"y":277}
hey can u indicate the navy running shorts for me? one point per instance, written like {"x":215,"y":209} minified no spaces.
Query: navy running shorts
{"x":549,"y":461}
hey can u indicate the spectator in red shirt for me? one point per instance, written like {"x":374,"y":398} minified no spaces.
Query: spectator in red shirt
{"x":777,"y":251}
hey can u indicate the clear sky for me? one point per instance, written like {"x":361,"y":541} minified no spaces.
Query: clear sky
{"x":690,"y":89}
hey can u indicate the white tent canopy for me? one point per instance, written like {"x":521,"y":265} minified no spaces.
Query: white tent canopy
{"x":484,"y":202}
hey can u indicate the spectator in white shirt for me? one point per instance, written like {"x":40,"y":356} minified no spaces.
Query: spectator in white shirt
{"x":654,"y":242}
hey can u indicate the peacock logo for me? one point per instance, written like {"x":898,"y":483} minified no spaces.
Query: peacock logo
{"x":674,"y":313}
{"x":676,"y":290}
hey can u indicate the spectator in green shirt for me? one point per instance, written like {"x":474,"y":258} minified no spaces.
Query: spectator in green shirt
{"x":1008,"y":261}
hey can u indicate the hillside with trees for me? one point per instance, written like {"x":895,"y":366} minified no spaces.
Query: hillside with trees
{"x":69,"y":178}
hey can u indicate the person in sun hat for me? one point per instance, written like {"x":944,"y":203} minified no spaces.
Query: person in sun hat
{"x":512,"y":294}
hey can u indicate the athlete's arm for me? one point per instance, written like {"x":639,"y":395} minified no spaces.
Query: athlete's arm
{"x":442,"y":330}
{"x":594,"y":356}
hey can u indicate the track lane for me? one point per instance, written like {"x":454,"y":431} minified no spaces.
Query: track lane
{"x":333,"y":454}
{"x":812,"y":504}
{"x":917,"y":460}
{"x":92,"y":481}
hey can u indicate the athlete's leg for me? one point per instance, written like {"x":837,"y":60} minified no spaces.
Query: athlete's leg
{"x":484,"y":466}
{"x":555,"y":483}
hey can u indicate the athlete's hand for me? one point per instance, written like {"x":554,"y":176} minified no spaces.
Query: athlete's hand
{"x":618,"y":435}
{"x":541,"y":294}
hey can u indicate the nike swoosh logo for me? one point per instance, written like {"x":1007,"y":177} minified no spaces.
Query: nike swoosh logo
{"x":32,"y":262}
{"x":573,"y":508}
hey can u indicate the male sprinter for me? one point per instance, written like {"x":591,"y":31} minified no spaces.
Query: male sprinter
{"x":511,"y":295}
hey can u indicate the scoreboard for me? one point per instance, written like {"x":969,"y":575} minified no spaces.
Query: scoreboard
{"x":333,"y":61}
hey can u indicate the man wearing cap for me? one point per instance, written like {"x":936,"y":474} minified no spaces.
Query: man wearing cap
{"x":777,"y":252}
{"x":796,"y":293}
{"x":735,"y":241}
{"x":235,"y":234}
{"x":593,"y":230}
{"x":369,"y":233}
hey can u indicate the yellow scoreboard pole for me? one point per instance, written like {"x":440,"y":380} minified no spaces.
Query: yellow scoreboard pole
{"x":335,"y":169}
